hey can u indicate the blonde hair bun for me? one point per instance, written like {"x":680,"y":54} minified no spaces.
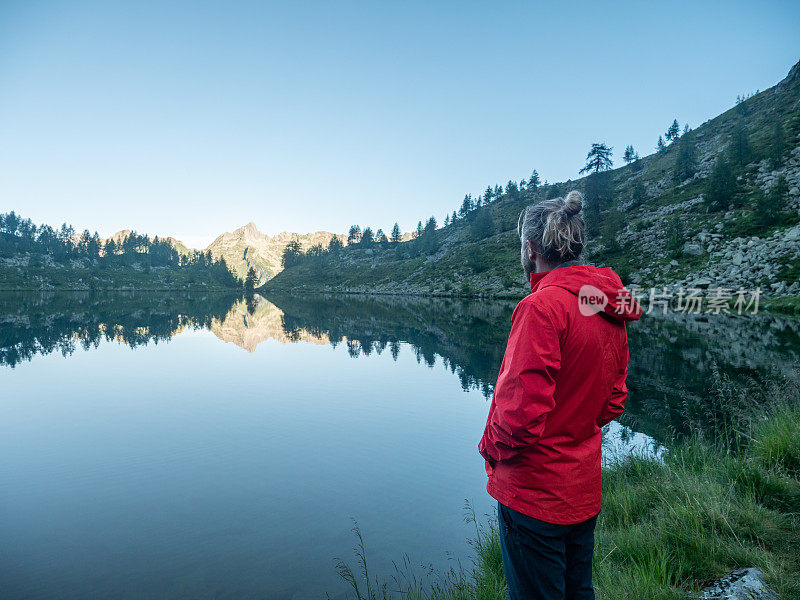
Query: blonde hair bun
{"x":573,"y":203}
{"x":555,"y":226}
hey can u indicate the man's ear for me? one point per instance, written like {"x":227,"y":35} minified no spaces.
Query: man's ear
{"x":531,"y":252}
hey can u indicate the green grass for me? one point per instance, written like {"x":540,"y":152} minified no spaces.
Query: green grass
{"x":789,"y":305}
{"x":668,"y":527}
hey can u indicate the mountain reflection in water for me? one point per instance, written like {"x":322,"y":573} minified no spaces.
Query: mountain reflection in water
{"x":673,"y":358}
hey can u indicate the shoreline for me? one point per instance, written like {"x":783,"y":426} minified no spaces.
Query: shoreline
{"x":782,"y":305}
{"x":779,"y":305}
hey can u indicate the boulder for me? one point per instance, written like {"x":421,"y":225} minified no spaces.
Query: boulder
{"x":692,"y":249}
{"x":701,"y":282}
{"x":742,"y":584}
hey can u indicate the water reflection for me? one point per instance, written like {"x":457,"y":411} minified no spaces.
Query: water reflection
{"x":673,"y":357}
{"x":678,"y":360}
{"x":40,"y":323}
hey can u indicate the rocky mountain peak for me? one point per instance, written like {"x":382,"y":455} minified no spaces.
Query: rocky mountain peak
{"x":247,"y":247}
{"x":120,"y":236}
{"x":249,"y":230}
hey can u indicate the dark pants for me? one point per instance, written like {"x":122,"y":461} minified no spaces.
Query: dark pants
{"x":543,"y":561}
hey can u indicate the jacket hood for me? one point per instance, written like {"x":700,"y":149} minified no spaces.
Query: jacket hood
{"x":598,"y":289}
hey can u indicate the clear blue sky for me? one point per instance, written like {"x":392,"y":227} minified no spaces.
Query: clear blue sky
{"x":190,"y":119}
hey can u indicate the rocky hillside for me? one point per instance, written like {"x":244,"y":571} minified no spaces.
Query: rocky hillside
{"x":247,"y":247}
{"x":718,"y":207}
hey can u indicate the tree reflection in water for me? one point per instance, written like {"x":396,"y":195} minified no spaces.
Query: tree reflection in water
{"x":676,"y":361}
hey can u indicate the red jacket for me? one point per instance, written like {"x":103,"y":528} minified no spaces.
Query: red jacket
{"x":562,"y":379}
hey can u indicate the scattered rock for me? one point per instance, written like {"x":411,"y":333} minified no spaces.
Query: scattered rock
{"x":742,"y":584}
{"x":692,"y":249}
{"x":701,"y":282}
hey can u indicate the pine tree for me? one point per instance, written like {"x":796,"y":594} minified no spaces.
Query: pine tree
{"x":512,"y":190}
{"x":11,"y":223}
{"x":675,"y":237}
{"x":685,"y":162}
{"x":488,"y":194}
{"x":638,"y":194}
{"x":598,"y":159}
{"x":630,"y":155}
{"x":673,"y":131}
{"x":466,"y":206}
{"x":777,"y":145}
{"x":354,"y":235}
{"x":598,"y":196}
{"x":740,"y":151}
{"x":447,"y":220}
{"x":661,"y":145}
{"x":83,"y":242}
{"x":419,"y":229}
{"x":534,"y":181}
{"x":769,"y":206}
{"x":93,"y":245}
{"x":64,"y":234}
{"x":396,"y":234}
{"x":291,"y":254}
{"x":454,"y":217}
{"x":721,"y":185}
{"x":367,"y":237}
{"x":335,"y":245}
{"x":250,"y":281}
{"x":483,"y":226}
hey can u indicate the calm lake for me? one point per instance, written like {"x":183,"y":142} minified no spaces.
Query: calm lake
{"x":203,"y":446}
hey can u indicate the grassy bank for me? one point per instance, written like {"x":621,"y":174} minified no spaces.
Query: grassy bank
{"x":668,"y":527}
{"x":789,"y":305}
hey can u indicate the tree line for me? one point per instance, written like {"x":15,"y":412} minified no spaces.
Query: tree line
{"x":19,"y":235}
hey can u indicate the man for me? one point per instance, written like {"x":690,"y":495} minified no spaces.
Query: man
{"x":562,"y":378}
